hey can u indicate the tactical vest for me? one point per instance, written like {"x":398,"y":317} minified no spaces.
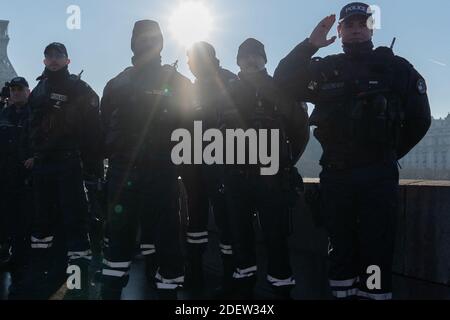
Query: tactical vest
{"x":358,"y":112}
{"x":56,"y":120}
{"x":257,"y":109}
{"x":142,"y":124}
{"x":211,"y":96}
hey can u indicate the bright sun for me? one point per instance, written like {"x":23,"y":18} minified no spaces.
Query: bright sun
{"x":191,"y":22}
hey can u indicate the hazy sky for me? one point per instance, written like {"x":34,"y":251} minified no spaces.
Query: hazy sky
{"x":102,"y":46}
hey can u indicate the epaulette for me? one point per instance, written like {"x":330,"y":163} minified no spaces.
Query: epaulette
{"x":386,"y":51}
{"x":74,"y":77}
{"x":389,"y":53}
{"x":121,"y":79}
{"x":41,"y":77}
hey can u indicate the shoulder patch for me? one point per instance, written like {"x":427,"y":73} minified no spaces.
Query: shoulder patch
{"x":421,"y":86}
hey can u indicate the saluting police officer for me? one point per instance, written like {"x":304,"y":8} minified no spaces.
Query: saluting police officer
{"x":65,"y":136}
{"x":371,"y":109}
{"x":258,"y":104}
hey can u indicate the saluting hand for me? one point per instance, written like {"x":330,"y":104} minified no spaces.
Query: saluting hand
{"x":319,"y":36}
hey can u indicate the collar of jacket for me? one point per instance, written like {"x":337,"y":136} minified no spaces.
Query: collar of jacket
{"x":55,"y":76}
{"x":146,"y":61}
{"x":254,"y":78}
{"x":356,"y":50}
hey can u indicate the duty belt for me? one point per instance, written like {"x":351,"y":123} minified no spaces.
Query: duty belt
{"x":357,"y":162}
{"x":56,"y":156}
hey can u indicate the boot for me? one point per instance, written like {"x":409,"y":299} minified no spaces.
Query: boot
{"x":18,"y":269}
{"x":18,"y":288}
{"x":194,"y":280}
{"x":225,"y":290}
{"x":5,"y":255}
{"x":283,"y":292}
{"x":243,"y":289}
{"x":150,"y":270}
{"x":47,"y":274}
{"x":110,"y":293}
{"x":167,"y":294}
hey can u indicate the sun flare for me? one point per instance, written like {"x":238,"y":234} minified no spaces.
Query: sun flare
{"x":191,"y":22}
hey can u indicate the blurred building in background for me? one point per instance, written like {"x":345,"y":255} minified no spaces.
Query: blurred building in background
{"x":7,"y":71}
{"x":430,"y":159}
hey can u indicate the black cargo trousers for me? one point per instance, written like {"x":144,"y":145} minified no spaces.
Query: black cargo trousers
{"x":147,"y":197}
{"x":205,"y":191}
{"x":60,"y":222}
{"x":359,"y":207}
{"x":251,"y":195}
